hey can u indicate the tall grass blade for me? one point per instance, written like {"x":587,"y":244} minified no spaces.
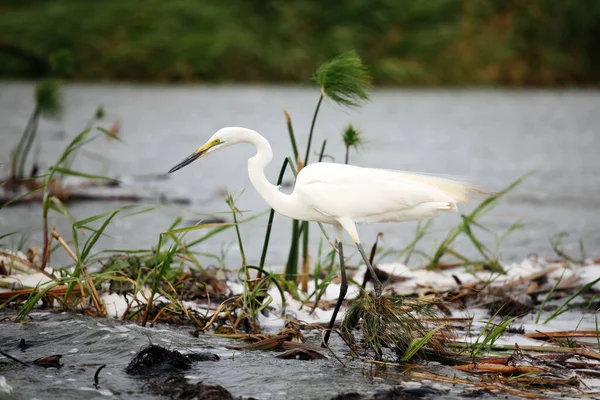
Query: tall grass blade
{"x":485,"y":206}
{"x":322,"y":153}
{"x":312,"y":128}
{"x":234,"y":211}
{"x":263,"y":255}
{"x":288,"y":122}
{"x":418,"y":343}
{"x":20,"y":197}
{"x":548,"y":297}
{"x":305,"y":261}
{"x":291,"y":267}
{"x":563,"y":307}
{"x":34,"y":297}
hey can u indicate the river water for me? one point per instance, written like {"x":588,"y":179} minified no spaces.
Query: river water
{"x":489,"y":137}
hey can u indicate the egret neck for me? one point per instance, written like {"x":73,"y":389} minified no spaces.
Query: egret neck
{"x":270,"y":193}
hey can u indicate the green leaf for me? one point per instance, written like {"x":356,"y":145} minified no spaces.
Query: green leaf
{"x":94,"y":238}
{"x":345,"y":80}
{"x":66,"y":171}
{"x":18,"y":198}
{"x":418,"y":343}
{"x":186,"y":229}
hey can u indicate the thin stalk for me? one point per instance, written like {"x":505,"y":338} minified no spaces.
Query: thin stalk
{"x":237,"y":232}
{"x":163,"y":263}
{"x":288,"y":122}
{"x":322,"y":150}
{"x":347,"y":154}
{"x":291,"y":165}
{"x":45,"y":209}
{"x":548,"y":297}
{"x":312,"y":127}
{"x":304,"y":277}
{"x":263,"y":256}
{"x":93,"y":293}
{"x":19,"y":148}
{"x":28,"y":143}
{"x":291,"y":267}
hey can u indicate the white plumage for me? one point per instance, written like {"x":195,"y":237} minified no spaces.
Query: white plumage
{"x":375,"y":195}
{"x":343,"y":195}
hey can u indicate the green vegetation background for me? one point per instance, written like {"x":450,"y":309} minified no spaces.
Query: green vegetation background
{"x":405,"y":42}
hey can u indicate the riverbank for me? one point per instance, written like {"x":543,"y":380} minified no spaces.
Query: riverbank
{"x":530,"y":332}
{"x":449,"y":43}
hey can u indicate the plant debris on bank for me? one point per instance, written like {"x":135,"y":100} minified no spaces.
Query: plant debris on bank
{"x":432,"y":312}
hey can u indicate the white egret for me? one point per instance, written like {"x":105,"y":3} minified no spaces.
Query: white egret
{"x":343,"y":195}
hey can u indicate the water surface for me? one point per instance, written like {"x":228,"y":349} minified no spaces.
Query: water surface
{"x":490,"y":137}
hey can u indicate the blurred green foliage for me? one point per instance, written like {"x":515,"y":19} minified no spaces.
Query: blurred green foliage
{"x":450,"y":42}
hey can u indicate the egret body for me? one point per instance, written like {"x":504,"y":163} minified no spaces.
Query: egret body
{"x":342,"y":195}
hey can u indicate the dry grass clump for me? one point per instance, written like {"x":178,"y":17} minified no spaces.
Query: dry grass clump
{"x":393,"y":323}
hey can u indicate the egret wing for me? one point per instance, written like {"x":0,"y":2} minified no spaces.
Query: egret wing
{"x":340,"y":190}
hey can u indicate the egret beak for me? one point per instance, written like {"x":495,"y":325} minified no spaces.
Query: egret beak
{"x":195,"y":155}
{"x":190,"y":159}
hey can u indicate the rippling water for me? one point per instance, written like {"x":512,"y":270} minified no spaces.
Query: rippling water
{"x":490,"y":137}
{"x":87,"y":343}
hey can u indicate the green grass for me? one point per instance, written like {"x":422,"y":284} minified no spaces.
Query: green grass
{"x":488,"y":336}
{"x":472,"y":220}
{"x":392,"y":323}
{"x":410,"y":42}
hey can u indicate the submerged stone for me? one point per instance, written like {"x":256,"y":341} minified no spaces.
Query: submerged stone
{"x":156,"y":360}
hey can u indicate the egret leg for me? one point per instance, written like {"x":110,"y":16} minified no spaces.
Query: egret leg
{"x":376,"y":281}
{"x":350,"y":227}
{"x":343,"y":290}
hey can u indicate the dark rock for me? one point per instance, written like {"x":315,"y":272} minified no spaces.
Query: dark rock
{"x":156,"y":360}
{"x":203,"y":357}
{"x":424,"y":392}
{"x":179,"y":388}
{"x":49,"y":362}
{"x":477,"y":393}
{"x":349,"y":396}
{"x":398,"y":393}
{"x":23,"y":346}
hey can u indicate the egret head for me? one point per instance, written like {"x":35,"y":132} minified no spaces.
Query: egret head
{"x":223,"y":138}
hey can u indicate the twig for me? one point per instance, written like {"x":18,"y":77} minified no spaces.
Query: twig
{"x":547,"y":349}
{"x":331,"y":351}
{"x":95,"y":298}
{"x":13,"y":358}
{"x":56,"y":291}
{"x":26,"y":262}
{"x":217,"y":312}
{"x":98,"y":373}
{"x":561,"y":334}
{"x":481,"y":385}
{"x":503,"y":369}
